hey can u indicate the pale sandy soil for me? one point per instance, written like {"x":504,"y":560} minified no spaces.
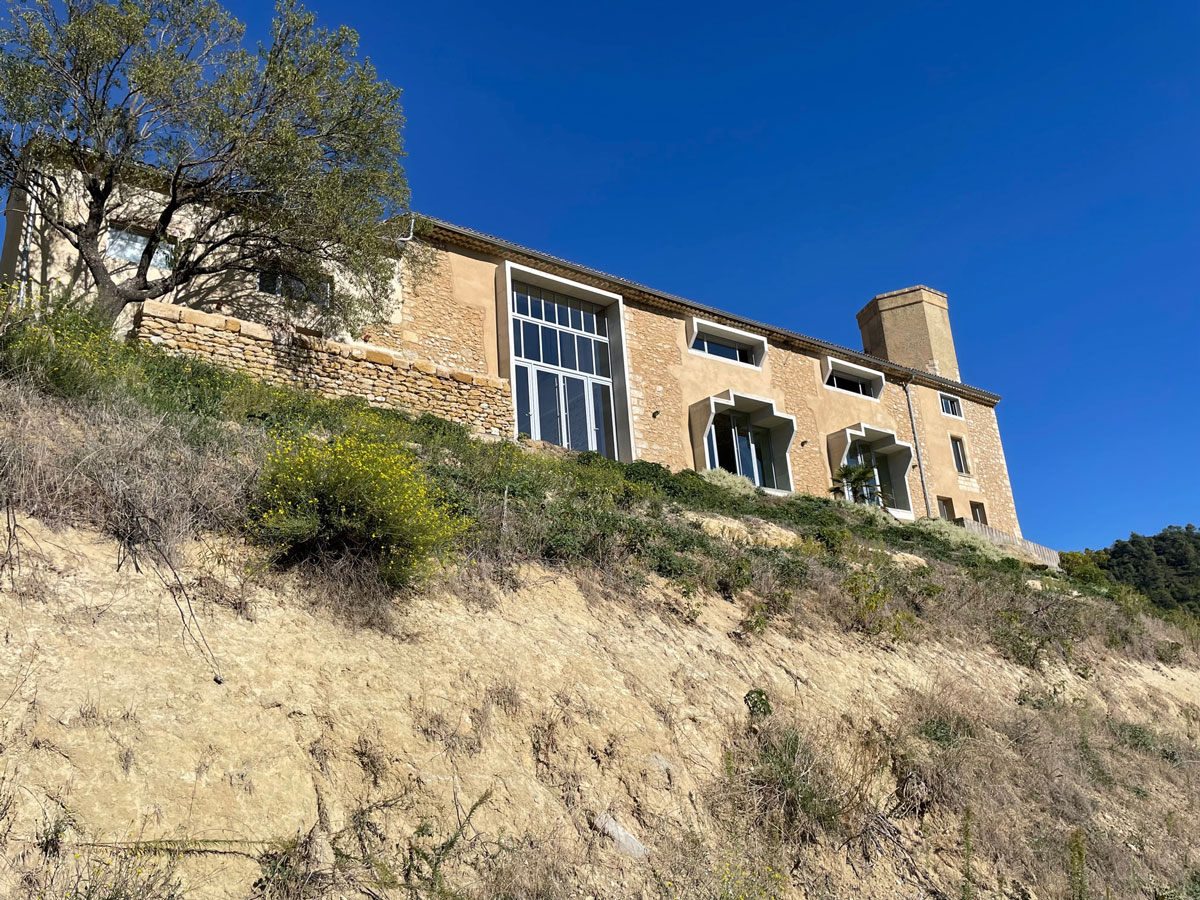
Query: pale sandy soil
{"x":108,"y":709}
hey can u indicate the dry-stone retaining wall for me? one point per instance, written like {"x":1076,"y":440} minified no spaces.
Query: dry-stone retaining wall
{"x":480,"y":402}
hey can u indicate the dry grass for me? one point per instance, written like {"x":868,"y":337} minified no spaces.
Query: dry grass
{"x":132,"y":477}
{"x":1033,"y":775}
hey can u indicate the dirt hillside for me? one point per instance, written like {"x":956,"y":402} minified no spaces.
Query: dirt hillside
{"x":578,"y":716}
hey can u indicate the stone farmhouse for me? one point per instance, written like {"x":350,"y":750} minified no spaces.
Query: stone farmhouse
{"x":512,"y":342}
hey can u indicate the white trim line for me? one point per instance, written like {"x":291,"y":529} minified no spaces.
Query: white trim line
{"x":539,"y":279}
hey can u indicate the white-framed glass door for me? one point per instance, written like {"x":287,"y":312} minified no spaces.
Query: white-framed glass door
{"x":737,"y":446}
{"x":562,"y":370}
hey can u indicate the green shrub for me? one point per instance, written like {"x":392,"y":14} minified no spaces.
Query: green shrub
{"x":833,"y":538}
{"x":872,"y":607}
{"x":947,"y":730}
{"x":737,"y":485}
{"x":1146,"y":740}
{"x":351,"y":496}
{"x":1083,"y":568}
{"x":789,"y":787}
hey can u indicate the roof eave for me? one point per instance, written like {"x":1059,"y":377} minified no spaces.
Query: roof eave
{"x":459,"y":234}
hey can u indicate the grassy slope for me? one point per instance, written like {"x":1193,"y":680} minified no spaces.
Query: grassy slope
{"x":157,"y":453}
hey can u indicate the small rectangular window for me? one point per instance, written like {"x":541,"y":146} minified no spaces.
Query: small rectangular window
{"x":849,"y":383}
{"x":524,"y":406}
{"x":566,"y":344}
{"x":268,"y":281}
{"x":724,"y":349}
{"x":960,"y":455}
{"x":602,"y":366}
{"x":951,"y":406}
{"x":586,"y":355}
{"x":549,"y":345}
{"x":532,"y":341}
{"x":978,"y":513}
{"x":946,"y":508}
{"x":129,"y":245}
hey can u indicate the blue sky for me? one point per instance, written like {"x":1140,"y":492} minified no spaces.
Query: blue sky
{"x":1038,"y":162}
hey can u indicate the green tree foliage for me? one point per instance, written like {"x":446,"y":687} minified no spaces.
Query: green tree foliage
{"x":1165,"y":566}
{"x":152,"y":114}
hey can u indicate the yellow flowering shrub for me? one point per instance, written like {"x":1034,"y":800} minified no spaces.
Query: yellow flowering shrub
{"x":352,"y":495}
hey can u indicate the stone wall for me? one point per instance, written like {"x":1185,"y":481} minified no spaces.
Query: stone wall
{"x":480,"y":402}
{"x":659,"y":410}
{"x":988,"y":465}
{"x":448,"y":315}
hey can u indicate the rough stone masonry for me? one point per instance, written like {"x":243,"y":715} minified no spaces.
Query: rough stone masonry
{"x":480,"y":402}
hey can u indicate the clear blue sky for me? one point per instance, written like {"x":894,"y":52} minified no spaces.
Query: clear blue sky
{"x":1038,"y":162}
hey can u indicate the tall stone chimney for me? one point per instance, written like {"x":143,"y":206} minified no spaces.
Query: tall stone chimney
{"x":911,"y":327}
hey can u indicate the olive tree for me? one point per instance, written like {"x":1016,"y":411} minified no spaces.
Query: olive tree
{"x":152,"y":115}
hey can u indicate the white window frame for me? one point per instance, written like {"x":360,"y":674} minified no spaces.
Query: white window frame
{"x":618,"y":351}
{"x":966,"y":458}
{"x":704,"y":412}
{"x":757,"y":343}
{"x":943,"y":397}
{"x":839,"y":443}
{"x":563,"y":374}
{"x":872,"y":377}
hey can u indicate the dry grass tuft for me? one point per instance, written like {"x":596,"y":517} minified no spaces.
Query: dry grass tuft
{"x":133,"y":477}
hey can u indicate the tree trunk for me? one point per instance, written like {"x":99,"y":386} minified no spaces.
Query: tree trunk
{"x":108,"y":303}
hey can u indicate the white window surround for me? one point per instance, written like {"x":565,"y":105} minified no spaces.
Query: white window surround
{"x":884,"y":442}
{"x":943,"y":397}
{"x":615,"y":306}
{"x":874,"y":378}
{"x":756,"y":342}
{"x":762,"y":413}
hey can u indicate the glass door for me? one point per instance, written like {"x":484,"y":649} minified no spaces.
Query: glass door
{"x":741,"y":448}
{"x":562,"y":370}
{"x":575,"y":396}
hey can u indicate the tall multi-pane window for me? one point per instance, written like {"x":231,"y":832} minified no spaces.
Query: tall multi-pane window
{"x":562,"y":370}
{"x":960,"y":455}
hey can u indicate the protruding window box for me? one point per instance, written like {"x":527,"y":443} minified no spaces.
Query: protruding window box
{"x":851,"y":378}
{"x":889,"y":458}
{"x":731,"y":345}
{"x":746,"y":436}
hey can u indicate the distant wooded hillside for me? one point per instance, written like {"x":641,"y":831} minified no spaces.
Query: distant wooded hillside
{"x":1165,"y":566}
